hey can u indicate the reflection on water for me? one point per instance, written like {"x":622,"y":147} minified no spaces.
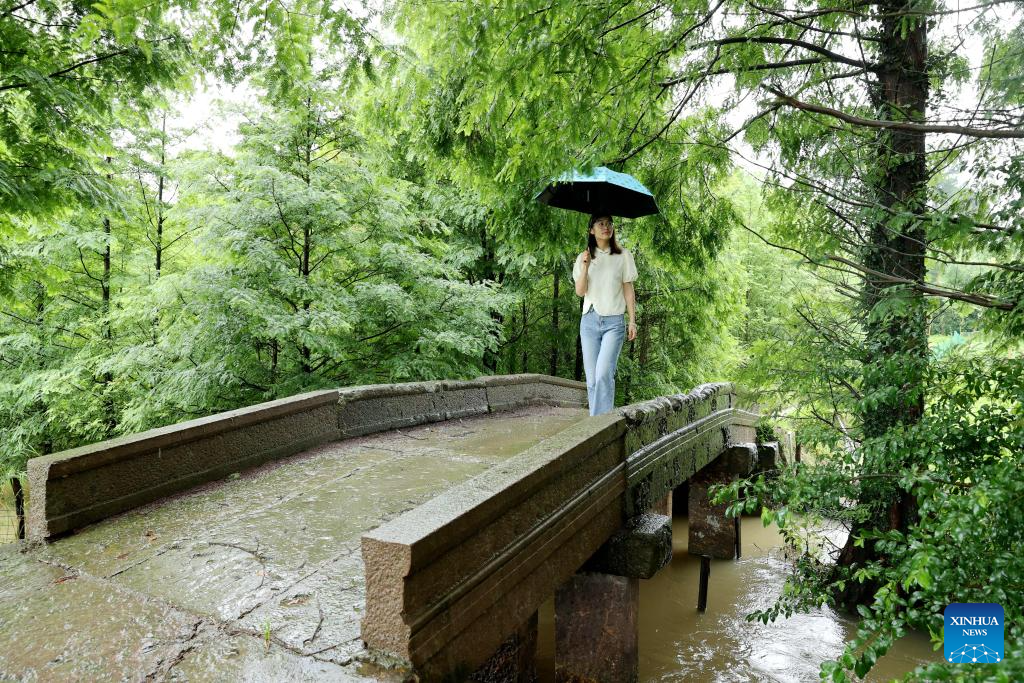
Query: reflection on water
{"x":677,"y":643}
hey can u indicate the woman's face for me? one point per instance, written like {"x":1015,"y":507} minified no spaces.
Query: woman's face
{"x":603,"y":228}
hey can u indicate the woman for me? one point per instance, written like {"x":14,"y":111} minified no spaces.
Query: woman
{"x":604,"y":276}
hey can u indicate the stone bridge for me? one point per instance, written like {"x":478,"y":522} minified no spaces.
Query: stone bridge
{"x":367,"y":533}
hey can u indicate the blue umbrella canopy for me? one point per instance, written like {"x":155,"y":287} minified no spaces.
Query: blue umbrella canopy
{"x":602,"y":191}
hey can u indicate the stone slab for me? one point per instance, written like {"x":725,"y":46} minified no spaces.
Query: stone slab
{"x":59,"y":625}
{"x":319,"y":614}
{"x":247,"y":658}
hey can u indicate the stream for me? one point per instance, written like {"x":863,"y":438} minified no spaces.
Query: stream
{"x":677,"y":643}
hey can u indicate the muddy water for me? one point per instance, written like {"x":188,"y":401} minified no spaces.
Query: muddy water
{"x":677,"y":643}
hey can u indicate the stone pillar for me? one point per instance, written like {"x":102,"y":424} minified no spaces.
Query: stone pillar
{"x":515,"y":659}
{"x":596,"y":629}
{"x":663,"y":506}
{"x":711,"y":532}
{"x":768,"y":456}
{"x":596,"y":610}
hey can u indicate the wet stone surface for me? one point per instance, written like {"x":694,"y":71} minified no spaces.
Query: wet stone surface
{"x":255,"y":577}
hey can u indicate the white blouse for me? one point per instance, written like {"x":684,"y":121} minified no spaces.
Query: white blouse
{"x":605,"y":276}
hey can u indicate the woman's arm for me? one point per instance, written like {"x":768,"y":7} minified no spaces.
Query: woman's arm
{"x":583,"y":265}
{"x":630,"y":296}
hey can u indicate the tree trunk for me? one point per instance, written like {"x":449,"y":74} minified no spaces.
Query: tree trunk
{"x":523,"y":341}
{"x":896,"y":330}
{"x":46,"y":445}
{"x":159,"y":242}
{"x":108,"y":336}
{"x":307,"y":237}
{"x":554,"y":325}
{"x":304,"y":348}
{"x":489,"y":272}
{"x":19,"y":504}
{"x":273,"y":361}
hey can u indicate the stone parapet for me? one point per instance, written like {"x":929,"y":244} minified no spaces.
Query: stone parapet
{"x":380,"y":407}
{"x":82,"y":485}
{"x":670,"y":438}
{"x":648,"y":421}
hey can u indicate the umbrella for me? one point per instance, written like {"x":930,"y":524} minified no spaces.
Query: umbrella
{"x":602,"y":191}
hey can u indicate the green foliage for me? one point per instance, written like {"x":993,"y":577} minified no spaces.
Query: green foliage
{"x":965,"y":474}
{"x":765,"y":431}
{"x":296,"y":264}
{"x":66,"y":68}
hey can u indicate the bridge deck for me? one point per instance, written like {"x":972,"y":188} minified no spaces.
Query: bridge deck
{"x":188,"y":588}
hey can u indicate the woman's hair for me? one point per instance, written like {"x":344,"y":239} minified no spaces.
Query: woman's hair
{"x":592,"y":241}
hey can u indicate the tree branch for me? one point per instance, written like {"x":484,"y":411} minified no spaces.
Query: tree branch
{"x":976,"y":299}
{"x":811,"y":47}
{"x":743,"y":69}
{"x":68,"y":69}
{"x":894,"y":125}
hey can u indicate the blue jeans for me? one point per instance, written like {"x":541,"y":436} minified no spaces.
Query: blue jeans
{"x":601,"y":338}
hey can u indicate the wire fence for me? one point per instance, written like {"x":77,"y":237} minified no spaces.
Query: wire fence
{"x":12,"y":526}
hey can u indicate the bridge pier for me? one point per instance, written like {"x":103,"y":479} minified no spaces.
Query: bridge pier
{"x":769,"y":456}
{"x":515,"y":660}
{"x":711,"y":532}
{"x":596,"y":629}
{"x":663,"y":506}
{"x":596,"y":611}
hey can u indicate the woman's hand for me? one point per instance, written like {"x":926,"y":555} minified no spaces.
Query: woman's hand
{"x":631,"y":335}
{"x":584,"y":274}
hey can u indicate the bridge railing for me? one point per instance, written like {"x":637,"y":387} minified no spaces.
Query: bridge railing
{"x":83,"y":485}
{"x":447,"y":582}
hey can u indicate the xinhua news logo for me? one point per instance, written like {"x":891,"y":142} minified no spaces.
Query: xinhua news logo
{"x":972,"y":633}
